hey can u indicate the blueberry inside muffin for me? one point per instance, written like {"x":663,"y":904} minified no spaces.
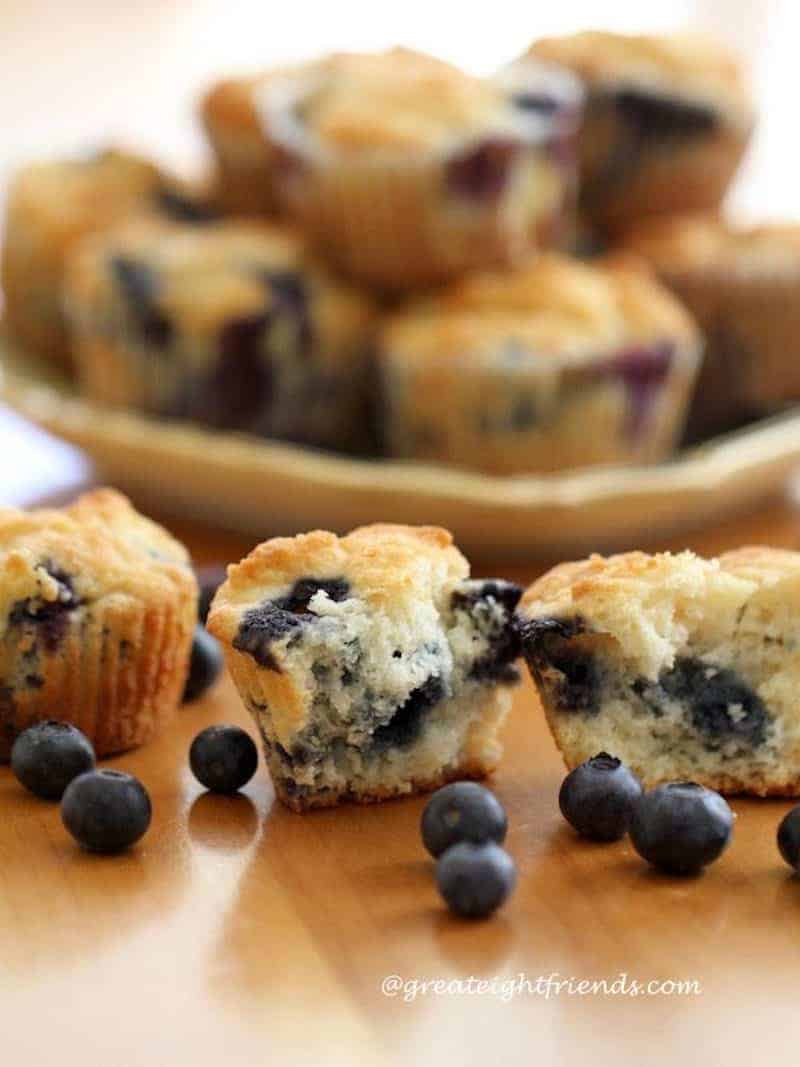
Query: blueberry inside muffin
{"x":380,"y":670}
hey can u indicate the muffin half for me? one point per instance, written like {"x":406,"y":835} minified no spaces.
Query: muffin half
{"x":667,"y":121}
{"x":97,"y":611}
{"x":555,"y":365}
{"x":684,"y":668}
{"x":743,"y":286}
{"x":230,"y":324}
{"x":372,"y":664}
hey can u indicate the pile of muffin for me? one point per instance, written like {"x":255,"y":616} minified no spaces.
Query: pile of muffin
{"x":519,"y":273}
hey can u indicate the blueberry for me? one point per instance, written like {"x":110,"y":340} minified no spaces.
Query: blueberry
{"x":482,"y":172}
{"x":223,"y":758}
{"x":106,"y":811}
{"x":405,"y":724}
{"x":47,"y":756}
{"x":209,"y":579}
{"x":789,"y":838}
{"x":597,"y":798}
{"x":663,"y":117}
{"x":140,"y":285}
{"x":475,"y":879}
{"x":559,"y":654}
{"x":205,"y":665}
{"x":681,"y":827}
{"x":462,"y":811}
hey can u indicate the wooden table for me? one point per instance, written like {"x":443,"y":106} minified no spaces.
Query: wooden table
{"x":240,"y":933}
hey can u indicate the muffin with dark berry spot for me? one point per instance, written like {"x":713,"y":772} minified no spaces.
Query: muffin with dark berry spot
{"x":668,"y":119}
{"x":373,"y":665}
{"x":50,"y":207}
{"x":97,"y":610}
{"x":742,"y":284}
{"x":230,"y":324}
{"x":246,"y":162}
{"x":684,"y":668}
{"x":406,"y":170}
{"x":555,"y":365}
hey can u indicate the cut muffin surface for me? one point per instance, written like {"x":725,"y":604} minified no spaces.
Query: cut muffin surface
{"x":682,"y":667}
{"x":373,"y":665}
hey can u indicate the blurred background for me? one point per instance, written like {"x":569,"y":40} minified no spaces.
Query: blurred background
{"x":80,"y":73}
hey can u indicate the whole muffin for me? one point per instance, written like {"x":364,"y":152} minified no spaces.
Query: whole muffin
{"x":667,"y":121}
{"x":743,"y":286}
{"x":684,"y":668}
{"x":51,"y":206}
{"x":97,"y":611}
{"x":404,"y":169}
{"x":230,"y":324}
{"x":373,"y":665}
{"x":555,"y":365}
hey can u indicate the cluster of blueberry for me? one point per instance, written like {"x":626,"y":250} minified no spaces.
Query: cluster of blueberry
{"x":679,"y":828}
{"x":107,"y":810}
{"x":463,"y":827}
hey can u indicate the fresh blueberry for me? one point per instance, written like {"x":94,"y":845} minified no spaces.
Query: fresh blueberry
{"x":106,"y":811}
{"x":597,"y":798}
{"x":223,"y":758}
{"x":475,"y":879}
{"x":789,"y":838}
{"x":209,"y":579}
{"x":205,"y":665}
{"x":681,"y":827}
{"x":462,"y":811}
{"x":47,"y":756}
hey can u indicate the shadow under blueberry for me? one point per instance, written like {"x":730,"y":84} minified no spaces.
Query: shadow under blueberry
{"x":90,"y":903}
{"x":226,"y":823}
{"x":336,"y":909}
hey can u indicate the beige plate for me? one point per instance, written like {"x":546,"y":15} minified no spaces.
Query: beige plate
{"x":260,"y":487}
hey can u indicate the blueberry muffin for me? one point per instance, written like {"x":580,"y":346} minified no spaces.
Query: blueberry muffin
{"x":555,"y":365}
{"x":743,"y":286}
{"x":684,"y":668}
{"x":373,"y":665}
{"x":229,"y":324}
{"x":667,"y":121}
{"x":245,"y":160}
{"x":407,"y":171}
{"x":97,"y":610}
{"x":50,"y":207}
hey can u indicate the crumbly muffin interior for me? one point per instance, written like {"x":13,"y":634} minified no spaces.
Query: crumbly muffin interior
{"x":394,"y":692}
{"x":692,"y":673}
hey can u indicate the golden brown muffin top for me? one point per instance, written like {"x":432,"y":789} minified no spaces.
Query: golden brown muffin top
{"x":388,"y":566}
{"x":680,"y":64}
{"x":78,"y":192}
{"x":551,"y":307}
{"x":396,"y":101}
{"x":99,"y":547}
{"x":212,"y":272}
{"x":707,"y":243}
{"x":652,"y":604}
